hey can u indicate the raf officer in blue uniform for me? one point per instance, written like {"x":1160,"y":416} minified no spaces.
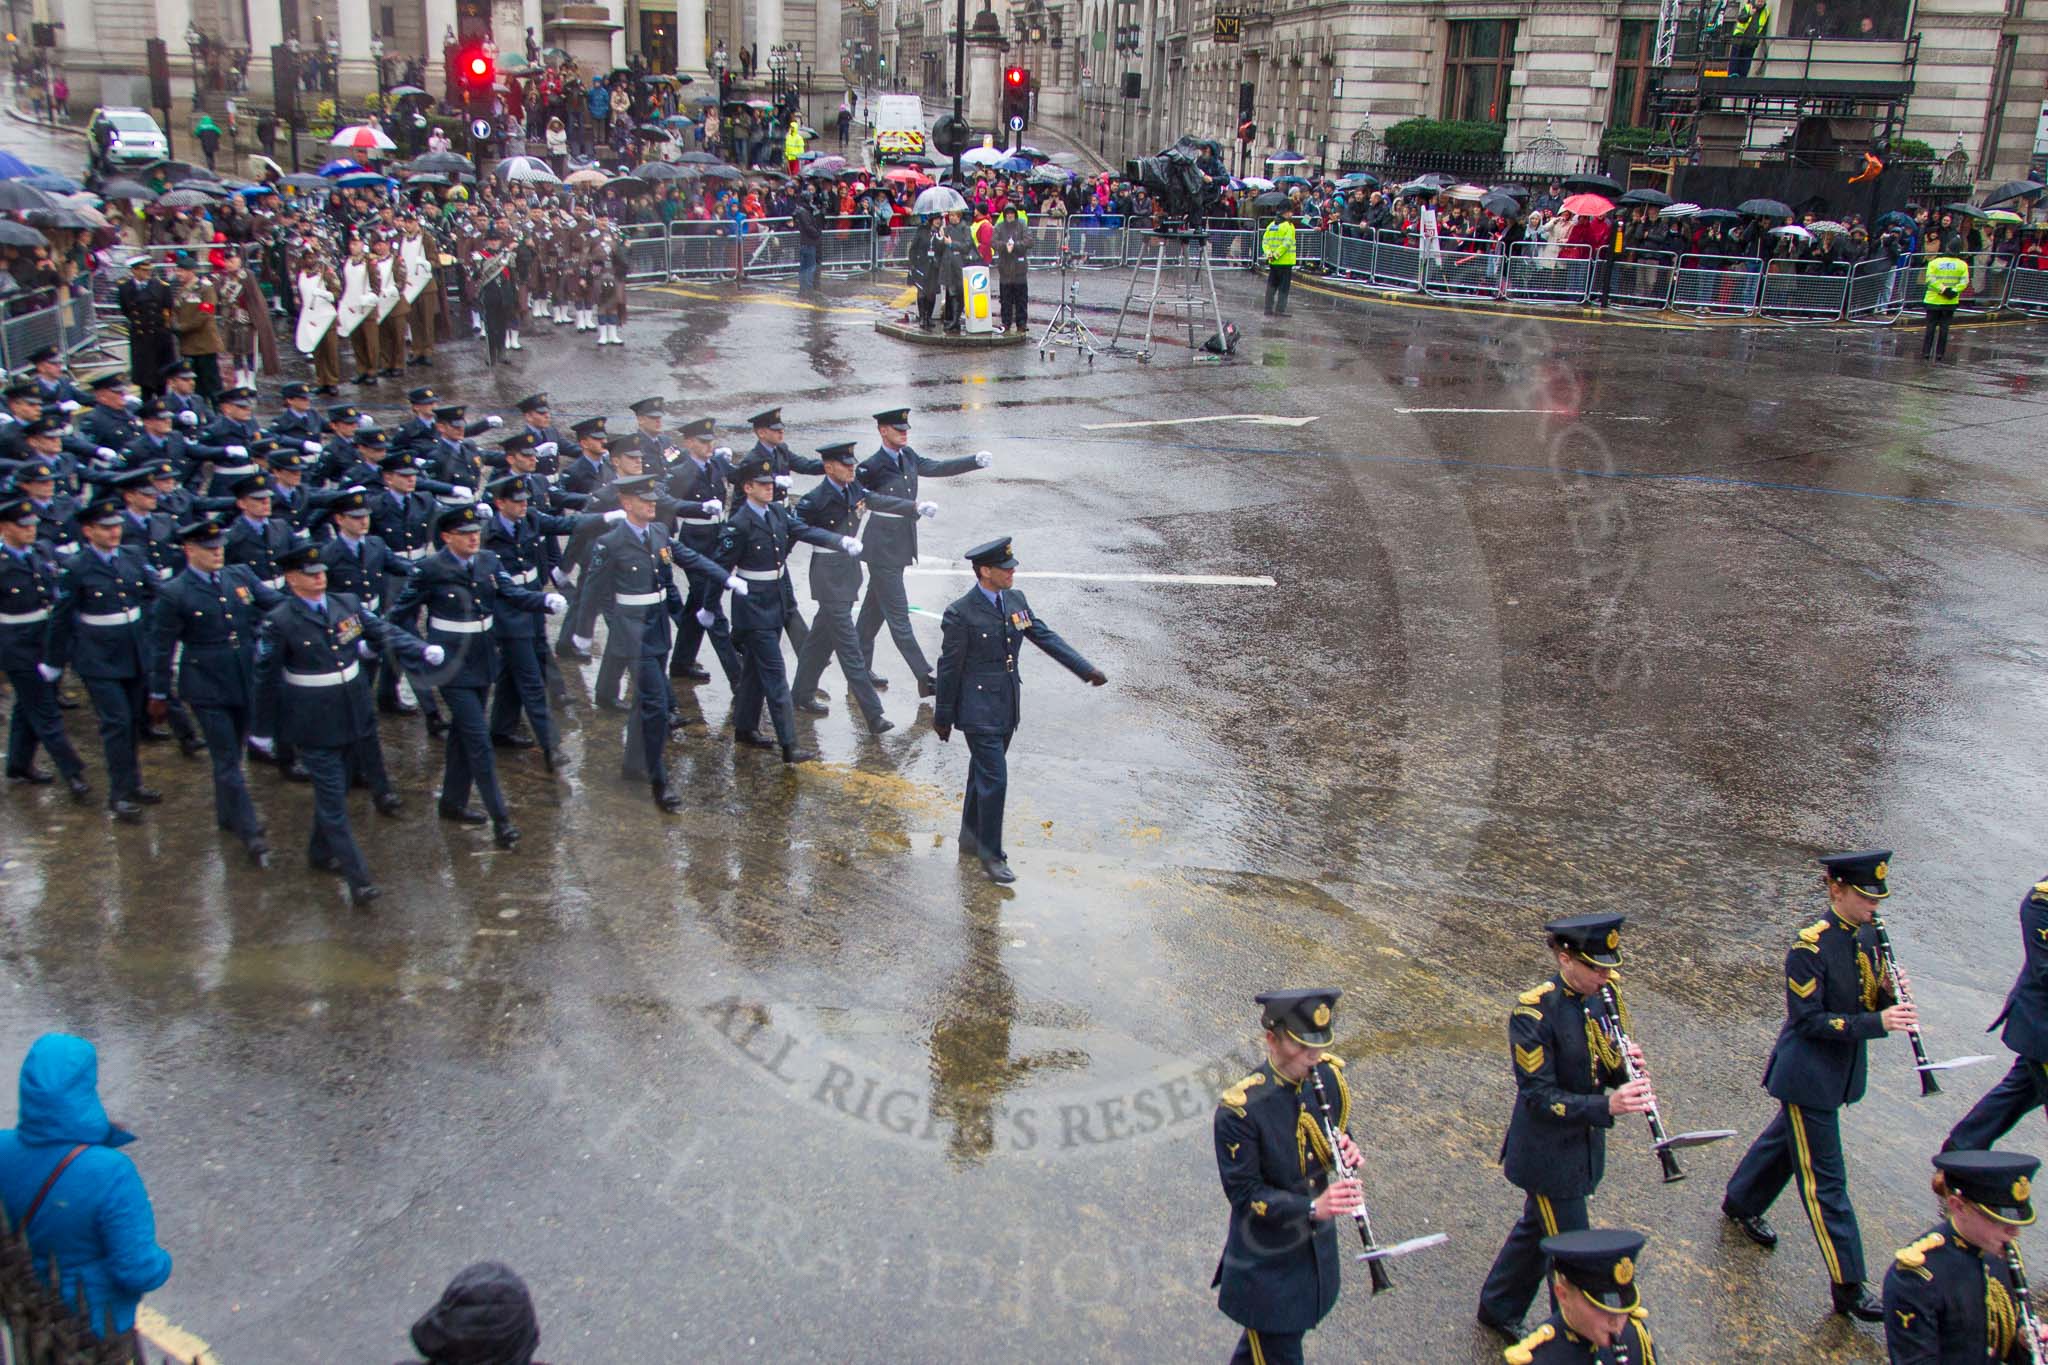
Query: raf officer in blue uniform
{"x":521,"y":538}
{"x":1838,"y":996}
{"x":1278,"y":1276}
{"x":632,"y":580}
{"x":754,"y":545}
{"x":96,"y":628}
{"x":462,"y":590}
{"x":840,"y":505}
{"x":298,"y":421}
{"x":2025,"y":1016}
{"x":309,"y":676}
{"x":452,"y":456}
{"x":587,"y":472}
{"x":549,"y":443}
{"x":358,"y":561}
{"x":107,"y":423}
{"x":53,"y":386}
{"x":1952,"y":1297}
{"x":1570,"y":1083}
{"x":255,"y":537}
{"x":1599,"y":1316}
{"x":701,"y":483}
{"x":770,"y":446}
{"x":893,"y":471}
{"x":402,"y":515}
{"x":656,"y":450}
{"x":28,"y":587}
{"x":980,"y":689}
{"x":211,"y":610}
{"x":179,"y":385}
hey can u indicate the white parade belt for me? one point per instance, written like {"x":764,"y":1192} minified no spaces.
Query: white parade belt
{"x":760,"y":575}
{"x":110,"y":618}
{"x":638,"y":599}
{"x":447,"y":627}
{"x":23,"y":618}
{"x":332,"y":678}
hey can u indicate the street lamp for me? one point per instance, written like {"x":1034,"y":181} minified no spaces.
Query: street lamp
{"x":195,"y":43}
{"x":377,"y":56}
{"x":776,"y":61}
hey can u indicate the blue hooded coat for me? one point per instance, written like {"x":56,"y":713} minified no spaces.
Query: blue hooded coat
{"x":96,"y":1220}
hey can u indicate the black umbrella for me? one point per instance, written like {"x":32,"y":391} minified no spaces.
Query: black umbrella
{"x":210,"y":188}
{"x":2011,"y":190}
{"x":1418,"y":189}
{"x":16,"y":197}
{"x":1967,"y":210}
{"x":1358,"y":180}
{"x":402,"y":91}
{"x":718,"y":172}
{"x":184,"y":199}
{"x":1272,"y":200}
{"x":626,"y":184}
{"x":813,"y":173}
{"x":178,"y":172}
{"x":665,"y":170}
{"x":1506,"y":205}
{"x":20,"y":234}
{"x":1655,"y":199}
{"x":1521,"y":192}
{"x":1593,"y":184}
{"x":121,"y":188}
{"x":699,"y":159}
{"x":446,"y":163}
{"x":68,"y":220}
{"x":424,"y":178}
{"x":299,"y":180}
{"x":652,"y":130}
{"x":1764,"y":208}
{"x":1717,"y":216}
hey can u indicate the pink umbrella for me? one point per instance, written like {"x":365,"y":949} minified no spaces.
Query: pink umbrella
{"x":362,"y":137}
{"x":1588,"y":205}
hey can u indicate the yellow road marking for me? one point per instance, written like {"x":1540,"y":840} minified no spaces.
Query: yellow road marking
{"x":906,"y":298}
{"x":774,"y":300}
{"x":166,"y":1336}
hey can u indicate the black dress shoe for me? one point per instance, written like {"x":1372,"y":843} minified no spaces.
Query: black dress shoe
{"x":506,"y":837}
{"x":259,"y":853}
{"x":40,"y":777}
{"x":81,"y":790}
{"x":881,"y":683}
{"x":362,"y":893}
{"x":551,"y":759}
{"x":813,"y":708}
{"x":792,"y":754}
{"x":610,"y":704}
{"x":146,"y":796}
{"x":667,"y":799}
{"x":1512,"y":1331}
{"x":565,"y":650}
{"x":398,"y":708}
{"x":437,"y":725}
{"x":927,"y":687}
{"x":191,"y":746}
{"x":512,"y":741}
{"x":388,"y":803}
{"x":319,"y":864}
{"x":126,"y":811}
{"x":1853,"y":1300}
{"x":752,"y":740}
{"x":1755,"y":1227}
{"x":295,"y":771}
{"x":882,"y":726}
{"x":998,"y":871}
{"x":691,"y":673}
{"x":462,"y":815}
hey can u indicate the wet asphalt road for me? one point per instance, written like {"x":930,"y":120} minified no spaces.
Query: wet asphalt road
{"x":1655,"y":617}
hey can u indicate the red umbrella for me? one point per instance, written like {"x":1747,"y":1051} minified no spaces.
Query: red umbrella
{"x":1588,"y":205}
{"x":904,"y":175}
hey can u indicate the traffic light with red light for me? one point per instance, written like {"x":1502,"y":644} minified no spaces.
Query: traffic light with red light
{"x":476,"y":72}
{"x":1016,"y":98}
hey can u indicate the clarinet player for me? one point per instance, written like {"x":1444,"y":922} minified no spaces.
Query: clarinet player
{"x":1960,"y":1292}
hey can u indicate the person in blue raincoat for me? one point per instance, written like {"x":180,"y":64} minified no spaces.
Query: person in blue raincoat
{"x":94,"y":1218}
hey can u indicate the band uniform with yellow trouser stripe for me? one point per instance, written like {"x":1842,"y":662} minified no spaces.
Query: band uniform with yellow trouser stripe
{"x":1599,"y":1317}
{"x":2025,"y":1017}
{"x":1959,"y":1294}
{"x":1838,"y":996}
{"x":1570,"y":1082}
{"x":1279,"y":1273}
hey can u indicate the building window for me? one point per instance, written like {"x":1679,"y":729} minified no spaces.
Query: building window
{"x":1630,"y":106}
{"x":387,"y":21}
{"x":1478,"y":60}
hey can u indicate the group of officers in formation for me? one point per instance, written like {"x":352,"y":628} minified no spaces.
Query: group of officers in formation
{"x":1956,"y":1294}
{"x":262,"y":589}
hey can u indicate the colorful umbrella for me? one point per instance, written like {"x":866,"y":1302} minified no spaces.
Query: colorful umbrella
{"x":1588,"y":205}
{"x":341,"y":165}
{"x":363,"y":138}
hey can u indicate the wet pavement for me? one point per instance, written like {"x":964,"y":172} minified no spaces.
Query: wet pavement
{"x":1562,"y":618}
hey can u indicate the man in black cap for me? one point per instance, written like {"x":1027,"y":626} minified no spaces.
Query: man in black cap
{"x":454,"y":458}
{"x":309,"y":677}
{"x":496,"y":293}
{"x":403,"y":517}
{"x":107,"y":423}
{"x":1952,"y":1295}
{"x":655,"y":447}
{"x":978,"y":689}
{"x":840,"y":505}
{"x":298,"y":421}
{"x":28,"y":589}
{"x":256,"y":538}
{"x":152,"y":535}
{"x":290,"y":499}
{"x":1838,"y":996}
{"x":1279,"y":1273}
{"x":145,"y":302}
{"x":211,"y":610}
{"x":588,"y":472}
{"x":358,"y":561}
{"x":549,"y":444}
{"x":157,"y":439}
{"x":338,"y":451}
{"x":484,"y":1317}
{"x":36,"y":479}
{"x":631,"y":580}
{"x":701,"y":484}
{"x":228,"y":439}
{"x":754,"y":545}
{"x":418,"y":429}
{"x":893,"y":471}
{"x":96,"y":628}
{"x":769,"y":445}
{"x":2025,"y":1016}
{"x":1570,"y":1084}
{"x":23,"y":407}
{"x":522,"y":539}
{"x":53,"y":386}
{"x":1599,"y":1314}
{"x":462,"y":590}
{"x":189,"y":408}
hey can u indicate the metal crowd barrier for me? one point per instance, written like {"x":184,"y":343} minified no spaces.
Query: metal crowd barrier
{"x":1716,"y":284}
{"x":68,"y":324}
{"x":1812,"y":293}
{"x":1462,"y":267}
{"x":2027,"y":290}
{"x":1537,"y":273}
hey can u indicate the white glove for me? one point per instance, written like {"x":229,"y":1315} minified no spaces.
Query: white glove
{"x":106,"y":452}
{"x":48,"y":674}
{"x":435,"y":654}
{"x":494,"y":421}
{"x":782,"y":480}
{"x":851,"y":544}
{"x":261,"y":744}
{"x":310,"y":447}
{"x":560,"y":578}
{"x":705,"y":618}
{"x":366,"y":421}
{"x":616,"y":514}
{"x":239,"y":452}
{"x":462,"y":493}
{"x":363,"y":648}
{"x":710,"y":507}
{"x":546,"y":449}
{"x":581,"y":642}
{"x":187,"y":418}
{"x":927,"y":510}
{"x":71,"y":405}
{"x":982,"y":459}
{"x":555,"y":603}
{"x":737,"y":584}
{"x":721,"y":452}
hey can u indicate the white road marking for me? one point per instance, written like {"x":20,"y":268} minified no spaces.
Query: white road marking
{"x":1193,"y":580}
{"x":1260,"y":419}
{"x":1487,"y":412}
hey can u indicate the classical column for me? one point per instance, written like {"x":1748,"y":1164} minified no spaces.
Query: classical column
{"x":173,"y":17}
{"x":357,"y":76}
{"x":266,"y":30}
{"x":984,"y":77}
{"x":437,"y":18}
{"x":767,"y":30}
{"x":690,"y":39}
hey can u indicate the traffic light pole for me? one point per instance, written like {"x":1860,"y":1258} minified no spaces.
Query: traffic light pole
{"x":959,"y":80}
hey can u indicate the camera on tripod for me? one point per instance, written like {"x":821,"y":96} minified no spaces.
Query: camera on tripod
{"x":1175,"y":181}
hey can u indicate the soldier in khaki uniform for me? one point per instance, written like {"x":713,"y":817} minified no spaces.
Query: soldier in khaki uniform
{"x":192,"y":317}
{"x":387,"y":274}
